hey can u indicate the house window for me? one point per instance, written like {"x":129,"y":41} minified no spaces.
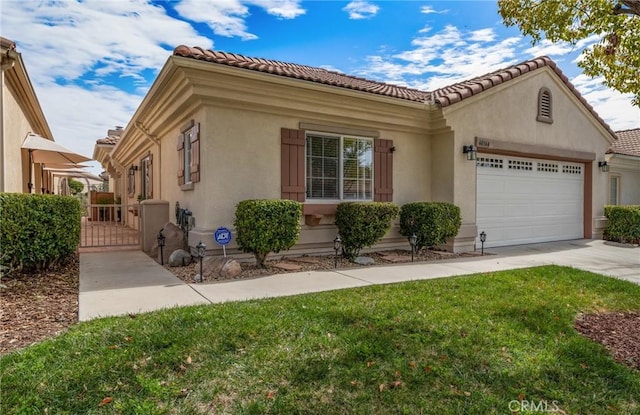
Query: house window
{"x":614,"y":190}
{"x":545,"y":108}
{"x":146,"y":177}
{"x":339,"y":167}
{"x":189,"y":156}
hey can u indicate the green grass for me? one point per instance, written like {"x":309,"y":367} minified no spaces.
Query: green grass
{"x":473,"y":345}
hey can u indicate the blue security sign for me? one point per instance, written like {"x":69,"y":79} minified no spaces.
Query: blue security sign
{"x":222,"y":236}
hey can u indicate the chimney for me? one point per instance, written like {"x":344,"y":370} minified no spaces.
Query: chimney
{"x":117,"y":132}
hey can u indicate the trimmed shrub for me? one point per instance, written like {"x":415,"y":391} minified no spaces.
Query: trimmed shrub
{"x":37,"y":231}
{"x":362,"y":224}
{"x":624,"y":223}
{"x":264,"y":226}
{"x":432,"y":222}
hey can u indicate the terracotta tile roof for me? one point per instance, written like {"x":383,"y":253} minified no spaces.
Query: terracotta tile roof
{"x":461,"y":90}
{"x":307,"y":73}
{"x":628,"y":143}
{"x":443,"y":96}
{"x":113,"y":136}
{"x":112,"y":140}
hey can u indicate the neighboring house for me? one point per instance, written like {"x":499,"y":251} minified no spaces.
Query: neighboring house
{"x":21,"y":115}
{"x":217,"y":128}
{"x":102,"y":154}
{"x":623,"y":160}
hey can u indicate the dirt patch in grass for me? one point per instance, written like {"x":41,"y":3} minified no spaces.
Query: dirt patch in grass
{"x":38,"y":305}
{"x":618,"y":332}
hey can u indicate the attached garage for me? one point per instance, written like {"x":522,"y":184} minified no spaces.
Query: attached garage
{"x":524,"y":200}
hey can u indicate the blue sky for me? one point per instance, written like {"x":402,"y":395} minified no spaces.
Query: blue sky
{"x":91,"y":62}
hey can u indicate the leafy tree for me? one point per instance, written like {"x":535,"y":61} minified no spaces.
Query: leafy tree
{"x":75,"y":186}
{"x":615,"y":22}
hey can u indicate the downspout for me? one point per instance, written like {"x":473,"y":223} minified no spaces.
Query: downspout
{"x":155,"y":141}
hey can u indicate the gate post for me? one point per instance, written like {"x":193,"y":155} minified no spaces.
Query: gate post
{"x":154,"y":214}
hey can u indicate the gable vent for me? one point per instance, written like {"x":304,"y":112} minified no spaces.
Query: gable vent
{"x":544,"y":106}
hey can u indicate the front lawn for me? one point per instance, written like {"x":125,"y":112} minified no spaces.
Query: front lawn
{"x":484,"y":344}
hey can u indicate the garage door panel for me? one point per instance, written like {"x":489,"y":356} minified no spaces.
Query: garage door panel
{"x":528,"y":200}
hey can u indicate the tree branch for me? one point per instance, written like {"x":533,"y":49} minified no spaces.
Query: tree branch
{"x":632,"y":7}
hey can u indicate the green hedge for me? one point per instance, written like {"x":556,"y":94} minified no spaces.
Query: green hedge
{"x":432,"y":222}
{"x":36,"y":231}
{"x":362,"y":224}
{"x":264,"y":226}
{"x":624,"y":223}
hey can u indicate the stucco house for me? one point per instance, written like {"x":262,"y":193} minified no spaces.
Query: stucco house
{"x":623,"y":160}
{"x":517,"y":149}
{"x":21,"y":115}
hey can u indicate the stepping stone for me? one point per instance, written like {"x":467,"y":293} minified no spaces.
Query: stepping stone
{"x":396,"y":258}
{"x":287,"y":267}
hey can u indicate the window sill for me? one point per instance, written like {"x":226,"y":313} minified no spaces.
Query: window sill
{"x":314,"y":212}
{"x":187,"y":186}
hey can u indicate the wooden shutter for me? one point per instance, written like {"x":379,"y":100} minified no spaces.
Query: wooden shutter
{"x":195,"y":154}
{"x":180,"y":159}
{"x":150,"y":175}
{"x":383,"y":168}
{"x":292,"y":164}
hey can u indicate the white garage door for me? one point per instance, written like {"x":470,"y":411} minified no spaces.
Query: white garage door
{"x":523,"y":200}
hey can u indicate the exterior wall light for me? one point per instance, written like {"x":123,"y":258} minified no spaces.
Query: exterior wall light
{"x":471,"y":152}
{"x":413,"y":240}
{"x":337,"y":244}
{"x":132,"y":170}
{"x":604,"y":166}
{"x":483,"y":238}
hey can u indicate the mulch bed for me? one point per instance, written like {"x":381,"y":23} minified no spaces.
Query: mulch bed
{"x":37,"y":306}
{"x":618,"y":332}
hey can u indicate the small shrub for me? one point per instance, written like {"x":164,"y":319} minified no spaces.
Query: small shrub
{"x":624,"y":223}
{"x":432,"y":222}
{"x":362,"y":224}
{"x":37,"y":231}
{"x":264,"y":226}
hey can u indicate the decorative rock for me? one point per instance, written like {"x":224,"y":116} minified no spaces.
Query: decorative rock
{"x":364,"y":260}
{"x":287,"y":267}
{"x":174,"y":240}
{"x":220,"y":267}
{"x":179,"y":258}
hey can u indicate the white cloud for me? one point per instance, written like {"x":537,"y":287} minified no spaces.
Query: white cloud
{"x":483,"y":35}
{"x":431,"y":10}
{"x":360,"y":9}
{"x":224,"y":17}
{"x":548,"y":48}
{"x":67,"y":40}
{"x":443,"y":58}
{"x":285,"y":9}
{"x":611,"y":105}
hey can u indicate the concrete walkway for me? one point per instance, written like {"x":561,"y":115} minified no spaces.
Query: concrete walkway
{"x":122,"y":282}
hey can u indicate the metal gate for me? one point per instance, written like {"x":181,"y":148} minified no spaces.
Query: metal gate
{"x":104,"y":225}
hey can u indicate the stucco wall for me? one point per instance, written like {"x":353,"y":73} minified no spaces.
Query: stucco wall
{"x":15,"y":164}
{"x":508,"y":113}
{"x":628,"y":169}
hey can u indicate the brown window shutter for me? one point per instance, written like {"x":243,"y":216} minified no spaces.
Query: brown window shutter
{"x":150,"y":173}
{"x":292,"y":164}
{"x":180,"y":159}
{"x":195,"y":154}
{"x":383,"y":168}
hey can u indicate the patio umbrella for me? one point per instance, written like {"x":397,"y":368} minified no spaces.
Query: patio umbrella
{"x":45,"y":151}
